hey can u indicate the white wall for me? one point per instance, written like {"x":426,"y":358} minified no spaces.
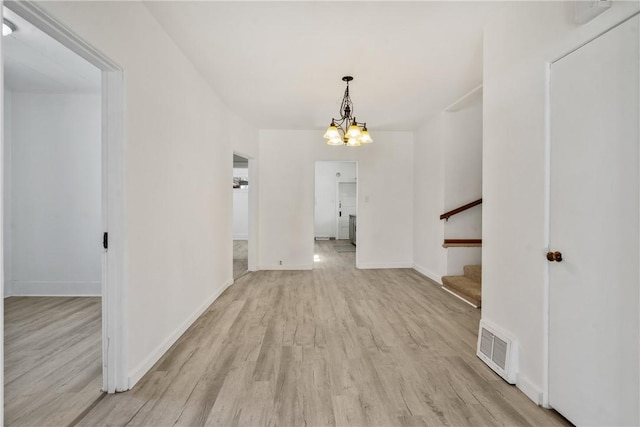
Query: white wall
{"x":240,"y":214}
{"x":448,"y":168}
{"x":385,"y":198}
{"x":54,"y":195}
{"x":429,"y":257}
{"x":326,"y":189}
{"x":180,"y":138}
{"x":241,"y":207}
{"x":517,"y":49}
{"x":463,"y":182}
{"x":463,"y":170}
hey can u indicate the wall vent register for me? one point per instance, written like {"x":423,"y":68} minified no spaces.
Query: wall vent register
{"x":497,"y":350}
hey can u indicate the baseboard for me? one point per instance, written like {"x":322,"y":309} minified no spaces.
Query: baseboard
{"x":56,"y":289}
{"x":381,"y":265}
{"x":529,"y":389}
{"x":459,"y":297}
{"x":241,"y":237}
{"x":430,"y":274}
{"x":143,"y":368}
{"x":286,"y":267}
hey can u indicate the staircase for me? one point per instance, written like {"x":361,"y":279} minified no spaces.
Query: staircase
{"x":467,"y":287}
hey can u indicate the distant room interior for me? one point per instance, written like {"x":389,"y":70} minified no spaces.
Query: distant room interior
{"x":52,"y":229}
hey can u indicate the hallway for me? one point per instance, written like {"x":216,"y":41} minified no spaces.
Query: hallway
{"x":333,"y":346}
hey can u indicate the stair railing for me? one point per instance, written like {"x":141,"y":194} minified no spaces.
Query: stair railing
{"x":451,"y":213}
{"x":461,"y":243}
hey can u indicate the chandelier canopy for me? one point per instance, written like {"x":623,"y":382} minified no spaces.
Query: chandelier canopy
{"x":346,"y":130}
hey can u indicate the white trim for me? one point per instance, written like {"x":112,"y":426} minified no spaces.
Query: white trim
{"x":465,"y":100}
{"x":530,"y":390}
{"x":28,"y":10}
{"x":459,"y":297}
{"x":544,"y":400}
{"x":159,"y":351}
{"x":426,"y":272}
{"x":286,"y":267}
{"x":114,"y":282}
{"x":379,"y":265}
{"x":254,"y":220}
{"x":114,"y":364}
{"x":241,"y":237}
{"x":592,"y":38}
{"x":67,"y":289}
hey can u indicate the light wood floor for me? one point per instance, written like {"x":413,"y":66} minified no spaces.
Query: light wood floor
{"x":52,"y":369}
{"x":334,"y":346}
{"x":240,"y":258}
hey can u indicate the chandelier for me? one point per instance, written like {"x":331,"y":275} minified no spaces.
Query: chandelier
{"x":346,"y":130}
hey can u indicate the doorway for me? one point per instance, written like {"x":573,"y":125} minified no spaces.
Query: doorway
{"x":593,"y":230}
{"x":336,"y":209}
{"x":52,"y":206}
{"x":240,"y":216}
{"x":113,"y":369}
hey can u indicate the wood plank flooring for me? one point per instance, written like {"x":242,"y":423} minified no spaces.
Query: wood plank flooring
{"x":53,"y":368}
{"x":240,"y":258}
{"x":334,"y":346}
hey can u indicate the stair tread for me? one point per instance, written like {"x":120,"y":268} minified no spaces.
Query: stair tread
{"x":469,"y":289}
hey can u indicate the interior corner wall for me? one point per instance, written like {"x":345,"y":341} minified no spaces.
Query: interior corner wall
{"x":385,"y":198}
{"x":517,"y":50}
{"x":53,"y":190}
{"x":179,"y":146}
{"x":429,"y":257}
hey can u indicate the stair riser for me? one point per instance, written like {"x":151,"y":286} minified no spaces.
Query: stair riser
{"x":473,"y":272}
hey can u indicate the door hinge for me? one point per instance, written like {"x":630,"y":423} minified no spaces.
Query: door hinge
{"x":105,"y":240}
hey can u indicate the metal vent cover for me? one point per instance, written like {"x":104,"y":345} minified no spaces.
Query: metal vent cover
{"x":497,"y":350}
{"x":486,"y":343}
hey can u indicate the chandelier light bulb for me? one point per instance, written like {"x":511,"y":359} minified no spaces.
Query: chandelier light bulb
{"x":332,"y":132}
{"x":335,"y":141}
{"x":365,"y":138}
{"x":353,"y":142}
{"x":354,"y":131}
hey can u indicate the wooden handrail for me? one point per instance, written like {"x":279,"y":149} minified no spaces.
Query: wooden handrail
{"x":446,"y":215}
{"x":461,"y":243}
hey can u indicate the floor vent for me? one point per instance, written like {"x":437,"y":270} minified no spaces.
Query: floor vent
{"x":497,"y":350}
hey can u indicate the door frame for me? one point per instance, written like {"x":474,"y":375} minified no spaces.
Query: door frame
{"x":114,"y":367}
{"x":544,"y":399}
{"x":252,"y":232}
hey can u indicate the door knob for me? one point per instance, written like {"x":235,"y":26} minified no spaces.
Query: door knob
{"x":554,"y":256}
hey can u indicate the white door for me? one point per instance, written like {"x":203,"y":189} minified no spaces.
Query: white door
{"x":594,"y":224}
{"x":346,"y":206}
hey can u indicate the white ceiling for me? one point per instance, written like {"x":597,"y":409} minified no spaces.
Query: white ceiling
{"x":34,"y":62}
{"x":279,"y":64}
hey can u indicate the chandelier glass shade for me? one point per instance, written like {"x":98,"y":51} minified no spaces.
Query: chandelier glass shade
{"x":346,"y":130}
